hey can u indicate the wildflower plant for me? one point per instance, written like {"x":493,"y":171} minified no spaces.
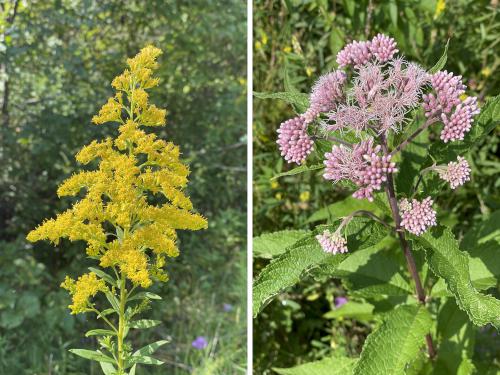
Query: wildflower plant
{"x":395,"y":135}
{"x":131,"y":205}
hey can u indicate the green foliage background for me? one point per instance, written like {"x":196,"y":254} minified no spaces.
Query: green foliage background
{"x":57,"y":59}
{"x":303,"y":38}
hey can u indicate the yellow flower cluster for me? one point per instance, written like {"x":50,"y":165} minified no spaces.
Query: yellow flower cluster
{"x":133,"y":170}
{"x":82,"y":290}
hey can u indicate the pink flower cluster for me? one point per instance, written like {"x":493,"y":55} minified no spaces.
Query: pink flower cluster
{"x":381,"y":47}
{"x":294,"y":143}
{"x":456,"y":173}
{"x":362,"y":164}
{"x":325,"y":93}
{"x":332,"y":243}
{"x":460,"y":121}
{"x":380,"y":97}
{"x":448,"y":89}
{"x":417,"y":217}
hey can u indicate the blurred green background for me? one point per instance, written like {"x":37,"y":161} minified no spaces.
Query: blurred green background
{"x":303,"y":38}
{"x":57,"y":59}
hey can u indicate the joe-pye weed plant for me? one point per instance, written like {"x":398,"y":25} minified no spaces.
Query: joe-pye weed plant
{"x":395,"y":135}
{"x":131,"y":205}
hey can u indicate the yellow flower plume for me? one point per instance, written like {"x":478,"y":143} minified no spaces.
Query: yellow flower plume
{"x":133,"y":168}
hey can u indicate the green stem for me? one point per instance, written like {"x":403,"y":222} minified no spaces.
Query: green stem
{"x":121,"y":324}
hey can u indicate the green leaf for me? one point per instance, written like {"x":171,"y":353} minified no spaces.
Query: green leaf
{"x":143,"y":295}
{"x":269,"y":245}
{"x":297,"y":99}
{"x":100,"y":332}
{"x":108,"y":368}
{"x":113,"y":301}
{"x":360,"y":311}
{"x":448,"y":262}
{"x":327,"y":366}
{"x":132,"y":370}
{"x":343,"y":208}
{"x":144,"y":323}
{"x":106,"y":312}
{"x":297,"y":170}
{"x":92,"y":355}
{"x":144,"y":360}
{"x":456,"y":340}
{"x":396,"y":342}
{"x":442,"y":60}
{"x":287,"y":269}
{"x":150,"y":349}
{"x":103,"y":275}
{"x":373,"y":272}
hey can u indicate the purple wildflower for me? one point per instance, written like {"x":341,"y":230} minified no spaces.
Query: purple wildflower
{"x":355,"y":53}
{"x":332,"y":243}
{"x":380,"y":98}
{"x":294,"y":143}
{"x":340,"y":301}
{"x":349,"y":117}
{"x":460,"y":121}
{"x":417,"y":217}
{"x":456,"y":173}
{"x":361,"y":164}
{"x":325,"y":93}
{"x":227,"y":307}
{"x":199,"y":343}
{"x":448,"y":89}
{"x":383,"y":47}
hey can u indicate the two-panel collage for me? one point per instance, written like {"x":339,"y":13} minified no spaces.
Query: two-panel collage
{"x":288,"y":187}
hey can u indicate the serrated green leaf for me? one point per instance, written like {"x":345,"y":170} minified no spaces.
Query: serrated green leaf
{"x":442,"y":60}
{"x":103,"y":275}
{"x":144,"y":323}
{"x":100,"y":332}
{"x":150,"y":349}
{"x":456,"y":341}
{"x":92,"y":355}
{"x":297,"y":170}
{"x":361,"y":311}
{"x":373,"y":272}
{"x":326,"y":366}
{"x":396,"y":342}
{"x":448,"y":262}
{"x":143,"y":295}
{"x":297,"y":99}
{"x":343,"y":208}
{"x":269,"y":245}
{"x":288,"y":268}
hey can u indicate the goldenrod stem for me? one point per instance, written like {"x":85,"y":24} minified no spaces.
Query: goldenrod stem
{"x":121,"y":324}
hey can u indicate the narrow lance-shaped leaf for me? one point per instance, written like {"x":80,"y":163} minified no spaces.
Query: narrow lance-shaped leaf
{"x":396,"y":342}
{"x":144,"y":323}
{"x":287,"y":269}
{"x":298,"y":170}
{"x":150,"y":349}
{"x":448,"y":262}
{"x":442,"y":60}
{"x":92,"y":355}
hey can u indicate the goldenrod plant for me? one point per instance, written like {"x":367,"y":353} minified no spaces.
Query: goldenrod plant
{"x":133,"y":204}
